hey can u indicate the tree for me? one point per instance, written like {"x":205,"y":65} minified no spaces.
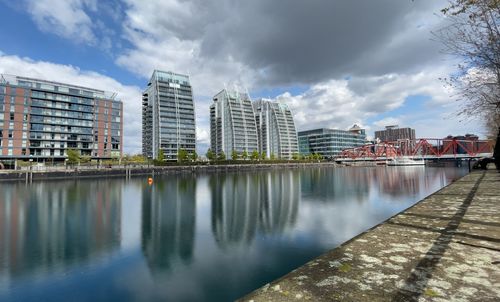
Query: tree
{"x":222,"y":156}
{"x":73,"y":156}
{"x":161,"y":155}
{"x":263,"y":155}
{"x":85,"y":159}
{"x":473,"y":35}
{"x":244,"y":155}
{"x":296,"y":156}
{"x":272,"y":157}
{"x":254,"y":155}
{"x":182,"y":155}
{"x":210,"y":155}
{"x":234,"y":155}
{"x":194,"y":156}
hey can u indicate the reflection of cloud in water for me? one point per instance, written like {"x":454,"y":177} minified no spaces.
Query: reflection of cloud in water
{"x":168,"y":221}
{"x":354,"y":199}
{"x":48,"y":226}
{"x":329,"y":185}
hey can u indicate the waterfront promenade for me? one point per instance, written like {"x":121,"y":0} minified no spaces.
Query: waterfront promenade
{"x":444,"y":248}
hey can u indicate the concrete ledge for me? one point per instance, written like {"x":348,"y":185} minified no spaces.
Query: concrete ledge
{"x":128,"y":172}
{"x":444,"y":248}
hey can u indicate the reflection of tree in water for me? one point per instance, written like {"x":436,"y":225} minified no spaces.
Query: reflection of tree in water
{"x":168,"y":221}
{"x":330,"y":185}
{"x":53,"y":224}
{"x":243,"y":203}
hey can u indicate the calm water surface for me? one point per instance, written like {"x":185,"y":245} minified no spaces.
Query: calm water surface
{"x":208,"y":237}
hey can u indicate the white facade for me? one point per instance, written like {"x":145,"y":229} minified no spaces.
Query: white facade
{"x":276,"y":128}
{"x":232,"y":123}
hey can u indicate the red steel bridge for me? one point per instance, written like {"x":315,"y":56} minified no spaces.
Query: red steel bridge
{"x":423,"y":148}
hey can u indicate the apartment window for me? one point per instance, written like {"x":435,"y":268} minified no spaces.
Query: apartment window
{"x":1,"y":134}
{"x":10,"y":133}
{"x":12,"y":116}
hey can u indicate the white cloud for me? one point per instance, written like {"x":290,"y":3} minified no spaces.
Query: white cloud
{"x":66,"y":18}
{"x":341,"y":103}
{"x":130,"y":95}
{"x":157,"y":44}
{"x":387,"y":122}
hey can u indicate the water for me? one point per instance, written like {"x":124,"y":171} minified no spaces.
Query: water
{"x":208,"y":237}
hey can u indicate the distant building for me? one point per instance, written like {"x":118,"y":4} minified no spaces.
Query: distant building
{"x":464,"y":144}
{"x":330,"y":142}
{"x":232,"y":123}
{"x":40,"y":120}
{"x":394,"y":133}
{"x":276,"y":129}
{"x":168,"y":121}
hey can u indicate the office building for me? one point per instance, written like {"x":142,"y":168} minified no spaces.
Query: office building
{"x":394,"y":133}
{"x":40,"y":120}
{"x":276,"y":129}
{"x":330,"y":142}
{"x":232,"y":123}
{"x":168,"y":121}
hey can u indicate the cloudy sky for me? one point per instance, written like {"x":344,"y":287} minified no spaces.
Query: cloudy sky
{"x":335,"y":63}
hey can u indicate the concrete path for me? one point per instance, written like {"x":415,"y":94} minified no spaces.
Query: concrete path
{"x":445,"y":248}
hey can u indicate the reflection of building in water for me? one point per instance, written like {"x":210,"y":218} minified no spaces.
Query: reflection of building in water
{"x":168,"y":221}
{"x":234,"y":208}
{"x":330,"y":185}
{"x":243,"y":203}
{"x":54,"y":224}
{"x":401,"y":181}
{"x":279,"y":200}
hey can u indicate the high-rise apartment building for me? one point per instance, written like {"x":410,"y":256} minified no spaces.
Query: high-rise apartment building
{"x":232,"y":123}
{"x":168,"y":121}
{"x":330,"y":142}
{"x":276,"y":129}
{"x":393,"y":133}
{"x":41,"y":120}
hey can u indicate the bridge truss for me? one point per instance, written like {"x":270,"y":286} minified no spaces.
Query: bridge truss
{"x":423,"y":148}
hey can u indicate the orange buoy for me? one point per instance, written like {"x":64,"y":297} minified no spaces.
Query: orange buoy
{"x":150,"y":181}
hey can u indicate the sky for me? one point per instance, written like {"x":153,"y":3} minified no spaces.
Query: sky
{"x":334,"y":62}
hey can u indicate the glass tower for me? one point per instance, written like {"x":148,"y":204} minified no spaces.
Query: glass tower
{"x":232,"y":123}
{"x":168,"y":121}
{"x":276,"y":128}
